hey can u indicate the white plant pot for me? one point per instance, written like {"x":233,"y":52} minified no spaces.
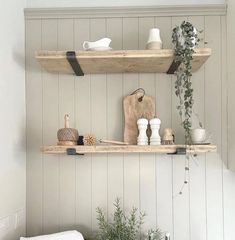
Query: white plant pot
{"x":199,"y":135}
{"x":154,"y":40}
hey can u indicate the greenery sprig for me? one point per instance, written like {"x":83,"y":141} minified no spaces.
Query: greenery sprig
{"x":185,"y":38}
{"x":122,"y":226}
{"x":155,"y":234}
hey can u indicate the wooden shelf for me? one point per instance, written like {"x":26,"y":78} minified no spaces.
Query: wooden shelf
{"x":122,"y":61}
{"x":170,"y":149}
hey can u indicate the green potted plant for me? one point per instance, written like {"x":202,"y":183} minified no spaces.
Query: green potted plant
{"x":185,"y":39}
{"x":122,"y":227}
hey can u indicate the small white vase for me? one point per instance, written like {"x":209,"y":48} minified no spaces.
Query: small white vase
{"x":154,"y":40}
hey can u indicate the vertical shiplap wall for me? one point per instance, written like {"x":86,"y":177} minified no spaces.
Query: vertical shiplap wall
{"x":63,"y":192}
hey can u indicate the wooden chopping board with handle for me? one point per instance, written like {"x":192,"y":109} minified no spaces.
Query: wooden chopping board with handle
{"x":135,"y":106}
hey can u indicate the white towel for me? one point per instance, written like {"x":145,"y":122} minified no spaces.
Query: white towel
{"x":68,"y":235}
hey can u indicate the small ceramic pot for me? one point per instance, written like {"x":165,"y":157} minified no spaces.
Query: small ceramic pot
{"x":199,"y":135}
{"x":154,"y":40}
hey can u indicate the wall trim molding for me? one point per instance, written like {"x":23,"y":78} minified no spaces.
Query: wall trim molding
{"x":141,"y":11}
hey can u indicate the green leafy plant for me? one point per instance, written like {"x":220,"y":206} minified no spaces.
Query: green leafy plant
{"x":155,"y":234}
{"x":185,"y":38}
{"x":122,"y":227}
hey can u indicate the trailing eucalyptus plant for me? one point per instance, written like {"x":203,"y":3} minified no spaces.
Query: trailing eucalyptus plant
{"x":185,"y":38}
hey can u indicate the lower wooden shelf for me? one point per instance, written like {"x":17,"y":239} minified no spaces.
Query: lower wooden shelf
{"x":170,"y":149}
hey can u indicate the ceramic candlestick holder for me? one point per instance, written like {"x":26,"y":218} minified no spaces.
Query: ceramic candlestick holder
{"x":155,"y":138}
{"x":142,"y":126}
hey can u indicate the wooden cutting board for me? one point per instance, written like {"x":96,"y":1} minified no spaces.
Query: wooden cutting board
{"x":133,"y":110}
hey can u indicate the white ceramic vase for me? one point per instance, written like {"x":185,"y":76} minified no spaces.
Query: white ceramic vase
{"x":154,"y":40}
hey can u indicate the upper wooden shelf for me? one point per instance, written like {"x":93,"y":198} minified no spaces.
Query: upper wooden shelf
{"x":121,"y":61}
{"x":170,"y":149}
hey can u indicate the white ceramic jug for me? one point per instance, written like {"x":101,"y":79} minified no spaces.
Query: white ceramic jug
{"x":103,"y":43}
{"x":154,"y":40}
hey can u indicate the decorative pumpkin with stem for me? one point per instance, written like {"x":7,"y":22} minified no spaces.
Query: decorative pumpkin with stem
{"x":185,"y":39}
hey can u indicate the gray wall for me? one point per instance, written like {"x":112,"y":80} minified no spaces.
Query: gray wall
{"x":63,"y":192}
{"x":12,"y":121}
{"x":110,"y":3}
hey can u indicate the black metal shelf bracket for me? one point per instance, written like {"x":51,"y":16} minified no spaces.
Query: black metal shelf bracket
{"x":179,"y":151}
{"x":71,"y":57}
{"x":72,"y":151}
{"x":174,"y":66}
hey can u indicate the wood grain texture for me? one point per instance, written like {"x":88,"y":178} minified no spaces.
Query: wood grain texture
{"x":119,"y":61}
{"x":129,"y":149}
{"x":134,"y":110}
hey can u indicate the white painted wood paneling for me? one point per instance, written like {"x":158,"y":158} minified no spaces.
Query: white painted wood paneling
{"x":213,"y":110}
{"x":50,"y":116}
{"x":67,"y":190}
{"x":231,"y":83}
{"x":180,"y":202}
{"x":83,"y":123}
{"x":99,"y":128}
{"x":131,"y":185}
{"x":197,"y":181}
{"x":34,"y":130}
{"x":147,"y":161}
{"x":164,"y":164}
{"x":114,"y":118}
